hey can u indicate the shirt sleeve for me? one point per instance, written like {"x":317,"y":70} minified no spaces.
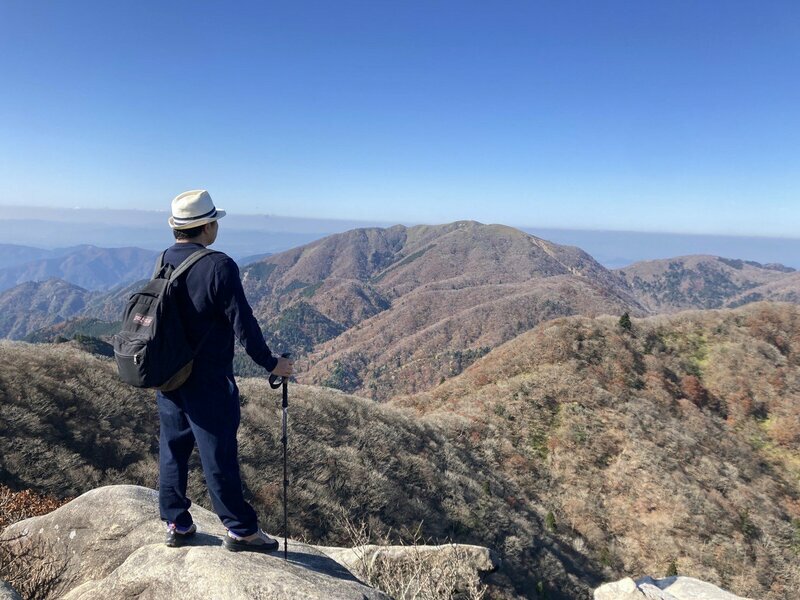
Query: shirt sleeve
{"x":233,"y":303}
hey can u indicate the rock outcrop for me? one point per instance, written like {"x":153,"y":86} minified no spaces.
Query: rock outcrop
{"x":7,"y":592}
{"x":669,"y":588}
{"x":110,"y":545}
{"x":461,"y":565}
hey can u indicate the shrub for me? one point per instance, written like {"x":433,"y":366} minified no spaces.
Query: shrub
{"x":672,"y":569}
{"x":550,"y":521}
{"x":746,"y":525}
{"x":33,"y":567}
{"x":693,"y":390}
{"x":416,"y":576}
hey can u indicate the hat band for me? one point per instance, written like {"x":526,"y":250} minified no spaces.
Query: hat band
{"x":184,"y":221}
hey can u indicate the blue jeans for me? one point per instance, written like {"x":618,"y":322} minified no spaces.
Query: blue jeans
{"x":204,"y":410}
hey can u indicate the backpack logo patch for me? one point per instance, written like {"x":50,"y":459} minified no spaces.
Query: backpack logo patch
{"x":142,"y":320}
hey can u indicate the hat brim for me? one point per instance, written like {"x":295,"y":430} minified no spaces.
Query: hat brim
{"x":198,"y":222}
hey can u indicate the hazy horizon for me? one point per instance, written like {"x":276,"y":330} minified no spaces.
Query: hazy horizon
{"x":243,"y":235}
{"x":295,"y":223}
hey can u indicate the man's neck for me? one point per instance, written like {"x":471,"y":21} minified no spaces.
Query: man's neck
{"x":192,"y":241}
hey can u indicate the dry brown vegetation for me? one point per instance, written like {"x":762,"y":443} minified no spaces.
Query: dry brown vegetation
{"x":580,"y":451}
{"x":786,"y":289}
{"x":34,"y":570}
{"x":673,"y":443}
{"x":700,"y":281}
{"x":15,"y":506}
{"x":378,"y":465}
{"x":68,"y":425}
{"x":418,"y":574}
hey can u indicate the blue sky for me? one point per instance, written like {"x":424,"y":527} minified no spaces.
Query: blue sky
{"x":648,"y":116}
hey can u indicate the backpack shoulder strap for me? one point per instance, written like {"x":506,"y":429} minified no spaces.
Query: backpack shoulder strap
{"x":189,"y":262}
{"x":159,"y":264}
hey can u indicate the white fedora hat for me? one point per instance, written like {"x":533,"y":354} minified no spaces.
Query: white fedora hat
{"x":192,"y":209}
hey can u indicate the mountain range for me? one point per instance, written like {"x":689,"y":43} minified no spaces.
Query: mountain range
{"x":88,"y":267}
{"x":47,"y":293}
{"x":518,"y":410}
{"x":35,"y":305}
{"x":689,"y":282}
{"x":382,"y":311}
{"x":397,"y":309}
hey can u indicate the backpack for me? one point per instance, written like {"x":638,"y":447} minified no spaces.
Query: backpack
{"x":151,"y":349}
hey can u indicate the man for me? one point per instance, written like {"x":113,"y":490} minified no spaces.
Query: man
{"x":205,"y":409}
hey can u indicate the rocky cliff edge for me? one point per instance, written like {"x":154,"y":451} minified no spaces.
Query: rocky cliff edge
{"x":108,"y":543}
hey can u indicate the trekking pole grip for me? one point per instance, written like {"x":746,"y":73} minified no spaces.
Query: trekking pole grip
{"x":276,"y":381}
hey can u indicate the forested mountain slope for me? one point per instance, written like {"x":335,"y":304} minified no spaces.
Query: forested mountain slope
{"x":86,"y":266}
{"x":700,"y":281}
{"x":35,"y":305}
{"x":674,"y":441}
{"x":68,"y":425}
{"x":385,"y":310}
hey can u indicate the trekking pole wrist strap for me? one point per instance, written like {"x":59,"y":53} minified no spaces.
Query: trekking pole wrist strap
{"x":276,"y":381}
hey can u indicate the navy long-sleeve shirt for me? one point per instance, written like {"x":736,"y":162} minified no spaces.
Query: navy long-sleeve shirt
{"x":214,"y":308}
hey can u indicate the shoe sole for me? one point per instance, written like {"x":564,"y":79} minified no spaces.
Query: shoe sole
{"x":237,"y":546}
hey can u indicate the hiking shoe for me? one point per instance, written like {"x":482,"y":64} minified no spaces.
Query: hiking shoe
{"x":258,"y":542}
{"x":177,"y":536}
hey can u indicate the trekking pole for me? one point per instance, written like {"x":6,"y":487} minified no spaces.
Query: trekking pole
{"x":276,"y":382}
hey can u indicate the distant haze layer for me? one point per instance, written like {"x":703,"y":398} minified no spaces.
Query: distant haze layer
{"x":245,"y":235}
{"x":614,"y":249}
{"x":240,"y":235}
